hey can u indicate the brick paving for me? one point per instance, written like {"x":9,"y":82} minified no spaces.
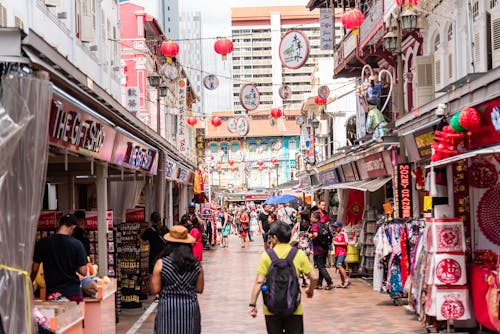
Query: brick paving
{"x":229,"y":275}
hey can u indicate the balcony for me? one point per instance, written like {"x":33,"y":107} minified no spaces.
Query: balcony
{"x":372,"y":24}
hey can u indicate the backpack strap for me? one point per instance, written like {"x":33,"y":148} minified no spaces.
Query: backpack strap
{"x":291,"y":254}
{"x":272,"y":254}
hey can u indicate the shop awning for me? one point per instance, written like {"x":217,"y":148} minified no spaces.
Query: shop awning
{"x":488,"y":150}
{"x":370,"y":185}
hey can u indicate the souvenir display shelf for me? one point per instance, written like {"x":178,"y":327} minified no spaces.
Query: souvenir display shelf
{"x":367,"y":250}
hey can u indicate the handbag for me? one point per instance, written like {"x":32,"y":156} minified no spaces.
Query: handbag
{"x":295,"y":236}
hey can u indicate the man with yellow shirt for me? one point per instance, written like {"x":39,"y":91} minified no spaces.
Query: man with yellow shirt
{"x":279,"y":235}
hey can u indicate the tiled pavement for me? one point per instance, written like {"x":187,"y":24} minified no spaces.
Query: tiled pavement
{"x":229,"y":275}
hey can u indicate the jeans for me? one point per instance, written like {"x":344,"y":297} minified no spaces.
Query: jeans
{"x":293,"y":324}
{"x":320,"y":262}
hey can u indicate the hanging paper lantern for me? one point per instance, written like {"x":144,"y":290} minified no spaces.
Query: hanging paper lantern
{"x":191,"y":121}
{"x":455,"y":123}
{"x":169,"y":49}
{"x":216,"y":121}
{"x":274,"y":161}
{"x":260,"y":168}
{"x":212,"y":158}
{"x":276,"y":113}
{"x":230,"y":162}
{"x":319,"y":101}
{"x":232,"y":169}
{"x":470,"y":119}
{"x":353,"y":19}
{"x":223,"y":46}
{"x":218,"y":167}
{"x":260,"y":163}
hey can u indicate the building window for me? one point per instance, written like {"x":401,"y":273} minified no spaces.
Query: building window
{"x":450,"y":32}
{"x":224,"y":147}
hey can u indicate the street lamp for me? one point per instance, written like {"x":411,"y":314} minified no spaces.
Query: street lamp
{"x":154,"y":80}
{"x":315,"y":125}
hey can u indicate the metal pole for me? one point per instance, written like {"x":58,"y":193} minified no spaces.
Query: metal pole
{"x":158,"y":119}
{"x":400,"y":85}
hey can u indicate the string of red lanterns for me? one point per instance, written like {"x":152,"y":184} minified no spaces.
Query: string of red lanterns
{"x":191,"y":121}
{"x":276,"y":113}
{"x":216,"y":121}
{"x":223,"y":46}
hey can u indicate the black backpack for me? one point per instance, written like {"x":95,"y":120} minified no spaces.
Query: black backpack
{"x":325,"y":236}
{"x":282,"y":296}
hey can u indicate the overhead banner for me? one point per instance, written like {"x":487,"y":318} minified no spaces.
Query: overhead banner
{"x":181,"y":117}
{"x":326,"y":28}
{"x":403,"y":191}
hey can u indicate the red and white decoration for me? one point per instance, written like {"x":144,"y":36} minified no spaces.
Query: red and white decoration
{"x":249,"y":97}
{"x":223,"y":46}
{"x":448,"y":236}
{"x":449,"y":269}
{"x":488,"y":214}
{"x":448,"y":303}
{"x":294,"y":49}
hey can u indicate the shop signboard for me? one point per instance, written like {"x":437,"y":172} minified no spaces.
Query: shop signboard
{"x":183,"y":175}
{"x":350,"y":174}
{"x":200,"y":146}
{"x":329,"y":177}
{"x":77,"y":128}
{"x":327,"y":29}
{"x":135,"y":215}
{"x":135,"y":154}
{"x":305,"y":182}
{"x":49,"y":219}
{"x":403,"y":191}
{"x":374,"y":165}
{"x":170,"y":169}
{"x":257,"y":197}
{"x":461,"y":199}
{"x":132,"y":103}
{"x":424,"y":139}
{"x":91,"y":219}
{"x":181,"y":117}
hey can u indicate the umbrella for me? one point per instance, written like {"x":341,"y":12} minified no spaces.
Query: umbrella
{"x":271,"y":200}
{"x":286,"y":199}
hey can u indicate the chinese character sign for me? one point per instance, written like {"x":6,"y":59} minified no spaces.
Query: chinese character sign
{"x":327,"y":31}
{"x":181,"y":118}
{"x":132,"y":99}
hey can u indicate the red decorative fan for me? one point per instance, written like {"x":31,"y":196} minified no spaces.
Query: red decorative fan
{"x":482,"y":174}
{"x":488,"y":214}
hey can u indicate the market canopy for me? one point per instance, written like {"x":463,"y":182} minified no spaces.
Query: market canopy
{"x":370,"y":185}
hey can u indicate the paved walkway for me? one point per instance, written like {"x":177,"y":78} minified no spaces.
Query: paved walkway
{"x":229,"y":275}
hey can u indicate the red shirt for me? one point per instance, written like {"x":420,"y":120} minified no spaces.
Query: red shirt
{"x":324,"y":216}
{"x":198,"y":245}
{"x":317,"y":248}
{"x":341,"y":250}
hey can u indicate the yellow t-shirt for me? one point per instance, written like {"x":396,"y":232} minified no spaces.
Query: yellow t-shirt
{"x":301,"y":263}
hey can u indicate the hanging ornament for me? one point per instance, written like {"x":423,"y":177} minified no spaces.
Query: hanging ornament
{"x":324,"y":92}
{"x":320,"y":101}
{"x":169,"y":49}
{"x":455,"y":123}
{"x":260,"y":163}
{"x":249,"y":97}
{"x":353,"y":19}
{"x":211,"y":82}
{"x":294,"y":49}
{"x":470,"y":119}
{"x":191,"y":121}
{"x":223,"y":46}
{"x":276,"y":113}
{"x":407,"y":3}
{"x":285,"y":92}
{"x":218,"y":167}
{"x":232,"y":168}
{"x":274,"y":160}
{"x":260,"y":168}
{"x":216,"y":121}
{"x":230,"y":162}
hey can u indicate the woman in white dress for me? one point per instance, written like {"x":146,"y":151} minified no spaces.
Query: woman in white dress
{"x":254,"y":223}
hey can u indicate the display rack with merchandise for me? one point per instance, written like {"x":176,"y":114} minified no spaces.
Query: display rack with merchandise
{"x":367,"y":250}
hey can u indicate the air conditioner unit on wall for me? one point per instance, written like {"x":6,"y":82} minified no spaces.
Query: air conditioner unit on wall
{"x":495,"y":36}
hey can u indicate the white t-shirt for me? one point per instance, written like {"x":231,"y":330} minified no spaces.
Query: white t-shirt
{"x":286,"y":213}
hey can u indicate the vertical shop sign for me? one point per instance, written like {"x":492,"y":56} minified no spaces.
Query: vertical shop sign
{"x":132,"y":103}
{"x":326,"y":28}
{"x":200,"y":145}
{"x":395,"y":185}
{"x":404,"y":194}
{"x":461,"y":199}
{"x":181,"y":117}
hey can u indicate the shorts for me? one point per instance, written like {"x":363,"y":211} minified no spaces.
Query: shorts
{"x":340,"y":260}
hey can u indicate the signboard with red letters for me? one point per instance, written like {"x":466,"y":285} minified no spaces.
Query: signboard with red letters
{"x":374,"y":165}
{"x":405,"y":203}
{"x":134,"y":154}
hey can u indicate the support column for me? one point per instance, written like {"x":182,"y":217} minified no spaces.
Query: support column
{"x":148,"y":194}
{"x":170,"y":207}
{"x":160,"y":185}
{"x":102,"y":208}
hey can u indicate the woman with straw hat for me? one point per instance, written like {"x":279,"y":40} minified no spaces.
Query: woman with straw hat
{"x":177,"y":278}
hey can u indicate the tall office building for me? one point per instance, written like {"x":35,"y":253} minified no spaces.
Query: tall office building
{"x":166,"y":11}
{"x":190,"y":55}
{"x":256,"y":33}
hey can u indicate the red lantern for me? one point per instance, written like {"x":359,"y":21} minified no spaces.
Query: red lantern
{"x":223,"y":46}
{"x":353,"y":19}
{"x":276,"y":113}
{"x":407,"y":3}
{"x":218,"y":167}
{"x":169,"y":49}
{"x":230,"y":162}
{"x":191,"y":121}
{"x":260,"y":168}
{"x":212,"y":158}
{"x":260,"y":163}
{"x":216,"y":121}
{"x":470,"y":119}
{"x":319,"y":101}
{"x":232,"y":168}
{"x":274,"y":161}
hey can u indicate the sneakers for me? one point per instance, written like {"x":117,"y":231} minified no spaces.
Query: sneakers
{"x":329,"y":286}
{"x":319,"y":287}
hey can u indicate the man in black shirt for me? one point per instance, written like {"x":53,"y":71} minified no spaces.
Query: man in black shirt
{"x":263,"y":224}
{"x":80,"y":232}
{"x":154,"y":235}
{"x":62,"y":257}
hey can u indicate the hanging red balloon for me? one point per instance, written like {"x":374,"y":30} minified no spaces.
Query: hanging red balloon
{"x":353,"y":19}
{"x":223,"y":46}
{"x":216,"y":121}
{"x":470,"y":119}
{"x":169,"y":49}
{"x":319,"y":101}
{"x":191,"y":121}
{"x":276,"y":113}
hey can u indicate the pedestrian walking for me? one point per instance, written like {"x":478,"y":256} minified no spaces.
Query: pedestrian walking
{"x":244,"y":228}
{"x":154,"y":235}
{"x":264,"y":224}
{"x":321,"y":236}
{"x":178,"y":278}
{"x":192,"y":222}
{"x":277,"y":278}
{"x":226,"y":228}
{"x":340,"y":241}
{"x":254,"y":223}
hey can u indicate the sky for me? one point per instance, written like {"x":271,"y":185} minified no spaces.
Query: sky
{"x":216,"y":21}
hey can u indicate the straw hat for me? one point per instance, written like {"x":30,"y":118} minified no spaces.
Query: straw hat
{"x":179,"y":233}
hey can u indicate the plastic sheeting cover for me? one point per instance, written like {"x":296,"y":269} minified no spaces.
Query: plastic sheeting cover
{"x":24,"y":115}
